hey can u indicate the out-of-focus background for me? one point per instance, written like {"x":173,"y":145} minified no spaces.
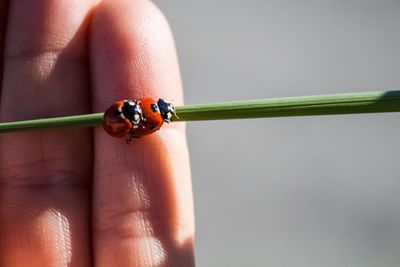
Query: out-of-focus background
{"x":308,"y":191}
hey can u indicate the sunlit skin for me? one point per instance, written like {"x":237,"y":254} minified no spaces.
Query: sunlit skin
{"x":78,"y":197}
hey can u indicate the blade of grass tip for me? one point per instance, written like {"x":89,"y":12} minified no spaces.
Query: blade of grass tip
{"x":350,"y":103}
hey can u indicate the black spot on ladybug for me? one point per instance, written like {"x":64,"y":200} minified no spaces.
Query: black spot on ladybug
{"x":152,"y":128}
{"x":154,"y":108}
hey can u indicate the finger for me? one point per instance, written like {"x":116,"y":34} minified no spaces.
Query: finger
{"x":44,"y":205}
{"x":143,"y":214}
{"x":3,"y":20}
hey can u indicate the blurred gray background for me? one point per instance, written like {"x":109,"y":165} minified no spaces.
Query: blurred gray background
{"x":308,"y":191}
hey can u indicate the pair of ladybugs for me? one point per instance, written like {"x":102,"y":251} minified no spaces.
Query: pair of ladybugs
{"x":136,"y":118}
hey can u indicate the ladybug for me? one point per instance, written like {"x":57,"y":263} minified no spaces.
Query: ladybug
{"x":136,"y":118}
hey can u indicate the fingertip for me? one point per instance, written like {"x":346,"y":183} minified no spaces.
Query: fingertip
{"x":133,"y":53}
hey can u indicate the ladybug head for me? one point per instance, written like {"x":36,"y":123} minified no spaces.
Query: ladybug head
{"x":166,"y":110}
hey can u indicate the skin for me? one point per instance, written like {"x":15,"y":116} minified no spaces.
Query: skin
{"x":78,"y":197}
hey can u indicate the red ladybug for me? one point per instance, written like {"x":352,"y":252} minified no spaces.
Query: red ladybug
{"x":151,"y":118}
{"x":136,"y":118}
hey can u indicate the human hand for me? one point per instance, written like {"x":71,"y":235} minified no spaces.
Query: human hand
{"x":78,"y":197}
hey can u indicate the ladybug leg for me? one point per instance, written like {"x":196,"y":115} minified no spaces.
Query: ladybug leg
{"x":132,"y":135}
{"x":128,"y":140}
{"x":176,"y":115}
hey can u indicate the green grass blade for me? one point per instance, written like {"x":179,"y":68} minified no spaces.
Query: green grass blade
{"x":86,"y":120}
{"x":351,"y":103}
